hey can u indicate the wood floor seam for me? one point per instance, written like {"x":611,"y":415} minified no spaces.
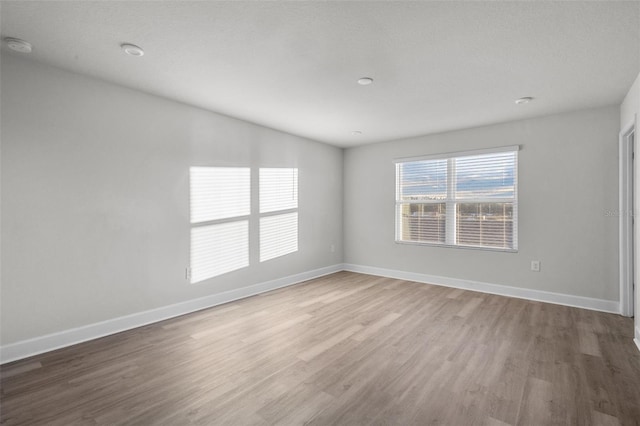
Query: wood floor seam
{"x":343,"y":349}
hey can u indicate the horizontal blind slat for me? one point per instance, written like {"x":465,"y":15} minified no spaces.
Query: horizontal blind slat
{"x":278,"y":235}
{"x":485,"y":176}
{"x":278,"y":189}
{"x":218,"y":249}
{"x":219,"y":193}
{"x":481,"y":187}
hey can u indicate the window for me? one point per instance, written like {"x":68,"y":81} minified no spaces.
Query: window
{"x":220,"y":203}
{"x":462,"y":199}
{"x":278,"y":212}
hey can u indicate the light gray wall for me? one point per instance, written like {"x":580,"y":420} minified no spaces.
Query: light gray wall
{"x":95,"y":218}
{"x":631,"y":104}
{"x":95,"y":199}
{"x":568,"y":181}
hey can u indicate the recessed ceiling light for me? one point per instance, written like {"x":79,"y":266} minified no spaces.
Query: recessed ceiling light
{"x":18,"y":45}
{"x":524,"y":100}
{"x":365,"y":81}
{"x":356,"y":132}
{"x":132,"y":49}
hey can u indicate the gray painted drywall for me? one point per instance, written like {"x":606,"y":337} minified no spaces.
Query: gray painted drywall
{"x":568,"y":181}
{"x":631,"y":104}
{"x":629,"y":112}
{"x":95,"y":199}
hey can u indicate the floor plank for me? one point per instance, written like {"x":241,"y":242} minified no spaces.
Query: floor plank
{"x":343,"y":349}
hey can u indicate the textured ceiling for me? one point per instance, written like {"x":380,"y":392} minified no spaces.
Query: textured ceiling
{"x":293,"y":66}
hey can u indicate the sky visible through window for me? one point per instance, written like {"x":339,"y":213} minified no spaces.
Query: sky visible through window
{"x":491,"y":176}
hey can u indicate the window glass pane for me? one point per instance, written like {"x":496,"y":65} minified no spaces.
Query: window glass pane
{"x":460,"y":199}
{"x":485,"y":224}
{"x":218,"y":249}
{"x":486,"y":176}
{"x":422,"y":180}
{"x":278,"y":235}
{"x":219,"y":192}
{"x":422,"y":222}
{"x":278,"y":189}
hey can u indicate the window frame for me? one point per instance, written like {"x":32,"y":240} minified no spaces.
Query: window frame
{"x":451,"y":201}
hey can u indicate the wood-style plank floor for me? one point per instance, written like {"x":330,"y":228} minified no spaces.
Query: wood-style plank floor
{"x":346,"y":349}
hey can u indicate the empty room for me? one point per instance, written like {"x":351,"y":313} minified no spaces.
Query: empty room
{"x":319,"y":212}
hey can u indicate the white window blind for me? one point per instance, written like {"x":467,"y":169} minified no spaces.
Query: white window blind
{"x":464,"y":199}
{"x":278,"y":212}
{"x":220,"y":202}
{"x":278,"y":189}
{"x":219,"y":192}
{"x":218,"y":249}
{"x":278,"y":235}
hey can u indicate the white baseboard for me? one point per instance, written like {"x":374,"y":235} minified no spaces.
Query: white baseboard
{"x":612,"y":306}
{"x":38,"y":345}
{"x":637,"y":338}
{"x":49,"y":342}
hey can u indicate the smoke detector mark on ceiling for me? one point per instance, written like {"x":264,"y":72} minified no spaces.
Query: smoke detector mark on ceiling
{"x":524,"y":100}
{"x":132,"y":49}
{"x":18,"y":45}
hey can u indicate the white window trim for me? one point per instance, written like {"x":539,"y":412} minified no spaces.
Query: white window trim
{"x":455,"y":154}
{"x":450,"y":201}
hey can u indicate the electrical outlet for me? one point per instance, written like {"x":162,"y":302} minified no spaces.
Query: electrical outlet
{"x":332,"y":248}
{"x":535,"y":265}
{"x":187,"y":273}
